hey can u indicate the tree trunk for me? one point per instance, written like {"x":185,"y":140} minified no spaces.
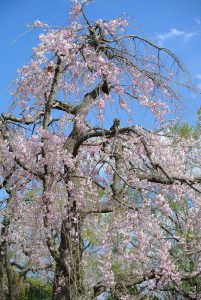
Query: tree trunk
{"x":64,"y":286}
{"x":3,"y":255}
{"x":13,"y":287}
{"x":1,"y":275}
{"x":68,"y":283}
{"x":68,"y":279}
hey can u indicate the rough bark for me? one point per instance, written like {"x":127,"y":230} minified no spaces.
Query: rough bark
{"x":14,"y":282}
{"x":1,"y":276}
{"x":3,"y":254}
{"x":68,"y":279}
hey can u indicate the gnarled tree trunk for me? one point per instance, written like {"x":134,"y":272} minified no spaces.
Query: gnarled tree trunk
{"x":1,"y":275}
{"x":68,"y":279}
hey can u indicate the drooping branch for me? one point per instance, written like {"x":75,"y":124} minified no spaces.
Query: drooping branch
{"x":133,"y":37}
{"x":155,"y":178}
{"x":58,"y":105}
{"x":23,"y":120}
{"x":132,"y":281}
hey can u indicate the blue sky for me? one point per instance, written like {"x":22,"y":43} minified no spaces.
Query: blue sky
{"x":175,"y":24}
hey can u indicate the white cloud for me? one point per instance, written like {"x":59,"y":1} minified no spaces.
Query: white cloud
{"x":173,"y":33}
{"x":188,"y":35}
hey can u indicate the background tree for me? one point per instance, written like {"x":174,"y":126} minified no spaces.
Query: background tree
{"x":121,"y":202}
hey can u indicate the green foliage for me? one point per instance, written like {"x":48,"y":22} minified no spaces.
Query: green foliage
{"x":101,"y":193}
{"x":184,"y":131}
{"x":36,"y":289}
{"x":187,"y":131}
{"x":90,"y":236}
{"x":118,"y":269}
